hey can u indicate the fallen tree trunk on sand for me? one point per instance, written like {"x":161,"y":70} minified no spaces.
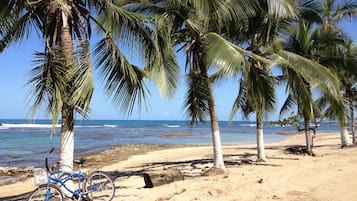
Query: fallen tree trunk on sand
{"x":157,"y":178}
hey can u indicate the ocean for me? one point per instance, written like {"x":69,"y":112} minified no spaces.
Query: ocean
{"x":24,"y":144}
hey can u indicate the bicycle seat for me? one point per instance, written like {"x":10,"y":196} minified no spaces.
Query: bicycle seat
{"x":79,"y":161}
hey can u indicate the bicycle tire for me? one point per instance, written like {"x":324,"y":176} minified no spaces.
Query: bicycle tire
{"x":99,"y":186}
{"x":39,"y":194}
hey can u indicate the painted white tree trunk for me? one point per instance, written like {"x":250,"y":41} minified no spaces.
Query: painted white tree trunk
{"x":216,"y":137}
{"x":67,"y":150}
{"x":217,"y":150}
{"x":260,"y":144}
{"x":345,"y":139}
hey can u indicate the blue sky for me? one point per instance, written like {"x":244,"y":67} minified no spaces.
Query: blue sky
{"x":16,"y":62}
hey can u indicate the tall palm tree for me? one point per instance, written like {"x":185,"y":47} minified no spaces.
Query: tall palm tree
{"x":302,"y":40}
{"x":63,"y":79}
{"x":333,"y":12}
{"x":195,"y":29}
{"x":342,"y":59}
{"x":256,"y":94}
{"x":261,"y":32}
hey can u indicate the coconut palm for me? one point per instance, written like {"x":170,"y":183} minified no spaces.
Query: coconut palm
{"x":261,"y":32}
{"x":63,"y":79}
{"x":342,"y":59}
{"x":301,"y":40}
{"x":196,"y":26}
{"x":256,"y":94}
{"x":333,"y":12}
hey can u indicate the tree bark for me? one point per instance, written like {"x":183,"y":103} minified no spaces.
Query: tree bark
{"x":260,"y":141}
{"x":216,"y":138}
{"x":352,"y":120}
{"x":307,"y":137}
{"x":67,"y":126}
{"x":345,"y":139}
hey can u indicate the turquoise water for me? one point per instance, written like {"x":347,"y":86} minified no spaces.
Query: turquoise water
{"x":23,"y":144}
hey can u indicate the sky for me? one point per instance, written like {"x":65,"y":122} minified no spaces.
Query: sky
{"x":17,"y":60}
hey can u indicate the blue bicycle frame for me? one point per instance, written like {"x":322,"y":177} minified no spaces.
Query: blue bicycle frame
{"x":63,"y":179}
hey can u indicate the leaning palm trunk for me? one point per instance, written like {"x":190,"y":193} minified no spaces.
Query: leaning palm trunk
{"x":67,"y":127}
{"x":260,"y":141}
{"x":216,"y":138}
{"x":345,"y":139}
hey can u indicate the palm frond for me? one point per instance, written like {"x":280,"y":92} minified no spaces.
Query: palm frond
{"x":82,"y":79}
{"x":240,"y":101}
{"x":284,"y":9}
{"x":316,"y":74}
{"x":287,"y":105}
{"x":223,"y":54}
{"x":48,"y":80}
{"x":164,"y":69}
{"x":196,"y":101}
{"x":14,"y":30}
{"x":123,"y":81}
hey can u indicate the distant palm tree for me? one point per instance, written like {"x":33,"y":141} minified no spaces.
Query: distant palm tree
{"x":342,"y":59}
{"x":333,"y":12}
{"x":63,"y":79}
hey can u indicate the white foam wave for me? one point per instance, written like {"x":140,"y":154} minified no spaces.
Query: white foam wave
{"x":249,"y":125}
{"x":110,"y":126}
{"x":172,"y":126}
{"x":29,"y":125}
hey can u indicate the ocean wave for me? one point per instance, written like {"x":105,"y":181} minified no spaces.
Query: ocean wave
{"x":28,"y":125}
{"x":171,"y":126}
{"x":7,"y":126}
{"x":249,"y":125}
{"x":111,"y":126}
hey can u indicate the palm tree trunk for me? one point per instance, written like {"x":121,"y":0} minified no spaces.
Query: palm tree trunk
{"x":216,"y":137}
{"x":260,"y":140}
{"x":345,"y":139}
{"x":307,"y":136}
{"x":352,"y":120}
{"x":67,"y":126}
{"x":67,"y":139}
{"x":217,"y":146}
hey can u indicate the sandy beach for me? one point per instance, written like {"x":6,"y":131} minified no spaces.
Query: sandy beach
{"x":329,"y":176}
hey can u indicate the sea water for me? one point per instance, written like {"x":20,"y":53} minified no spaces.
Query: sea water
{"x":24,"y":144}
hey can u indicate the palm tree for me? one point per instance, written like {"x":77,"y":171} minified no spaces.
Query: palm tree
{"x":195,"y":29}
{"x":301,"y":40}
{"x":63,"y":79}
{"x":333,"y":13}
{"x":256,"y":94}
{"x":261,"y":32}
{"x":342,"y":59}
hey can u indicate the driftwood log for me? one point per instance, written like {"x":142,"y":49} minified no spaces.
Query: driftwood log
{"x":157,"y":178}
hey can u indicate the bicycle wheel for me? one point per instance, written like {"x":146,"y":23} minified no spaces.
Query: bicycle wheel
{"x":99,"y":186}
{"x":40,"y":193}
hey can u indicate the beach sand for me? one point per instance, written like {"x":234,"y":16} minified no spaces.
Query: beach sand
{"x":329,"y":176}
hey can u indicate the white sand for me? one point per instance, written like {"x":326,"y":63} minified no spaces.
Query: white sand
{"x":330,"y":176}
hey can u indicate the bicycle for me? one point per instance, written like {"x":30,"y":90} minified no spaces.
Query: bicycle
{"x":95,"y":186}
